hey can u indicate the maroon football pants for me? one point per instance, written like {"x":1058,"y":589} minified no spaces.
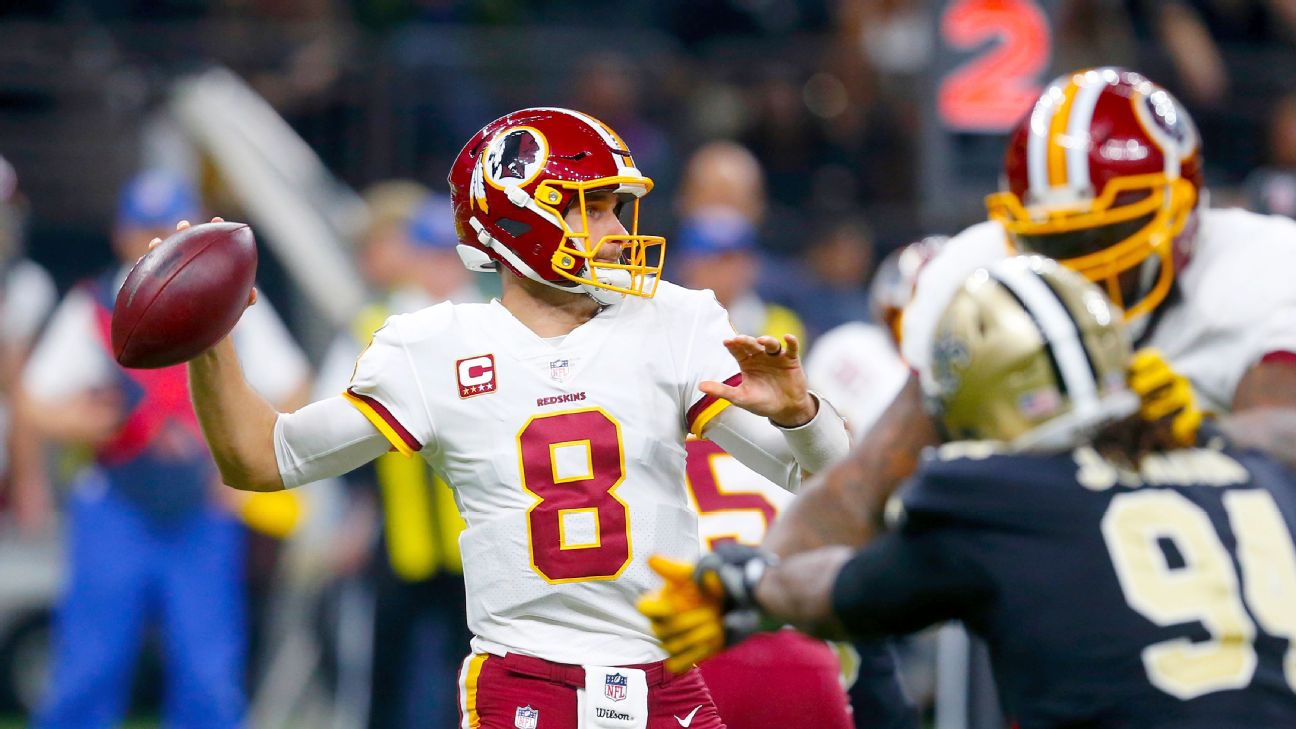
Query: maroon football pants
{"x":777,"y":681}
{"x":520,"y":691}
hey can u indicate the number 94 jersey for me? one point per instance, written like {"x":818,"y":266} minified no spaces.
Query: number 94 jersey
{"x":566,"y":457}
{"x":1110,"y":598}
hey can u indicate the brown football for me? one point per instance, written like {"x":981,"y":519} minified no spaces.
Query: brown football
{"x":184,"y":295}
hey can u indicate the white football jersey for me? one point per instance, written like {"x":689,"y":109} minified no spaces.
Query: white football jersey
{"x":1236,"y":301}
{"x":566,"y":457}
{"x":732,"y":501}
{"x":858,"y":369}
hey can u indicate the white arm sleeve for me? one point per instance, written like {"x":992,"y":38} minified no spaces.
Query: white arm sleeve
{"x":324,"y":439}
{"x":782,"y":455}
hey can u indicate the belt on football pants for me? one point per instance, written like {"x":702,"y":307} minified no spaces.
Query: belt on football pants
{"x":573,"y":675}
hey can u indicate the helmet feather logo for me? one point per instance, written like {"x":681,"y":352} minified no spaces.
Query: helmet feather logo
{"x":515,"y":157}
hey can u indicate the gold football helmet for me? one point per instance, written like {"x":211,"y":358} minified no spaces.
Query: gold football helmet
{"x":1029,"y":353}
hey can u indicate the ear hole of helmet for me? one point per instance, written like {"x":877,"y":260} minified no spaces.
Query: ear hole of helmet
{"x":515,"y":228}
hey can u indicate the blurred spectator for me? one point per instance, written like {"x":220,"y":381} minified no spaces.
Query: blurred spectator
{"x":723,"y":175}
{"x":609,"y":87}
{"x":408,"y":543}
{"x":867,"y":94}
{"x":1093,"y":33}
{"x":698,"y":22}
{"x":783,"y":134}
{"x":716,"y":249}
{"x":1197,"y":33}
{"x":150,"y":534}
{"x":1272,"y":188}
{"x":27,"y":296}
{"x":894,"y":37}
{"x":841,"y":259}
{"x":857,"y":365}
{"x":721,"y":204}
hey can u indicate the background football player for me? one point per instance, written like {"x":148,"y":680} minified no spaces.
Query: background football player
{"x":1105,"y":175}
{"x":1051,"y":464}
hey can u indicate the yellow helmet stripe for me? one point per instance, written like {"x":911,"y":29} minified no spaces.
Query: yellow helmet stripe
{"x":1081,"y":116}
{"x":1059,"y":126}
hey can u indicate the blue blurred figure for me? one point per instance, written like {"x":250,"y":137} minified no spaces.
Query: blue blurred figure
{"x":149,"y":537}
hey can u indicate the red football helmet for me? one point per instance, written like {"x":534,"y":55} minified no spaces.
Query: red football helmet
{"x":894,"y":281}
{"x":515,"y":179}
{"x":1104,"y":175}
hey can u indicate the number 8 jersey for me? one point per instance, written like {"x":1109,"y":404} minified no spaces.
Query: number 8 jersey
{"x":566,"y":457}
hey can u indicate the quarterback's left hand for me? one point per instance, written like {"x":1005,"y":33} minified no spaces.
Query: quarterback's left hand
{"x":1165,"y":393}
{"x":705,"y":608}
{"x":773,"y":384}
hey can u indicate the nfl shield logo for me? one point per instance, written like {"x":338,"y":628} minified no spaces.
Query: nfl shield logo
{"x":526,"y":717}
{"x":614,"y":687}
{"x":558,"y":369}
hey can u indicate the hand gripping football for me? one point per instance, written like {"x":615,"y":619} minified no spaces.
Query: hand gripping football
{"x":184,"y":296}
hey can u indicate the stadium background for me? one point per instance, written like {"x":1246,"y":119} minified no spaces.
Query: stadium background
{"x":884,"y":111}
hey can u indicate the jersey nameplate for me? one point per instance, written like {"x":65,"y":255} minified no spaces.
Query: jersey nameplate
{"x":1188,"y":467}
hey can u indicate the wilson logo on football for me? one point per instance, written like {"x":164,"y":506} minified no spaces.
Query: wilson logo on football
{"x":476,"y":375}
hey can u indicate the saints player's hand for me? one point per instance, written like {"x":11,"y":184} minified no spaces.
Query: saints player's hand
{"x":1165,"y":394}
{"x":773,"y":382}
{"x":704,"y":608}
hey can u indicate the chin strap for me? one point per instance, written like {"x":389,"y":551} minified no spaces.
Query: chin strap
{"x":478,"y":260}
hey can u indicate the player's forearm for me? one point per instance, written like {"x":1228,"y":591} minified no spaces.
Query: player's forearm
{"x":782,"y":455}
{"x":1269,"y":430}
{"x":237,"y":422}
{"x":844,"y":505}
{"x":799,"y":590}
{"x":26,"y":461}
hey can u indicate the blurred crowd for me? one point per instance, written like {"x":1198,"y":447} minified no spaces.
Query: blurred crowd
{"x":782,"y":138}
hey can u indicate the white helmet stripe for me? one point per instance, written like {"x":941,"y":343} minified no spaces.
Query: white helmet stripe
{"x":610,"y":138}
{"x":1037,"y":137}
{"x":1060,"y":334}
{"x":607,"y":134}
{"x":1082,"y":111}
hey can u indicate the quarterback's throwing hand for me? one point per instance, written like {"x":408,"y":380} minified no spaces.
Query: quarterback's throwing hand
{"x":1165,"y":393}
{"x":185,"y":225}
{"x":773,"y":382}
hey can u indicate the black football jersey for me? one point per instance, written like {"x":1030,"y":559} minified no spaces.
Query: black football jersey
{"x":1108,"y":598}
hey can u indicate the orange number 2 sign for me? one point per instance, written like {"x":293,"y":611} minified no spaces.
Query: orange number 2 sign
{"x":991,"y":92}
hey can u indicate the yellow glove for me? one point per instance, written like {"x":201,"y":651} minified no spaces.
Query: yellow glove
{"x":689,"y":623}
{"x":273,"y":513}
{"x":1165,"y":393}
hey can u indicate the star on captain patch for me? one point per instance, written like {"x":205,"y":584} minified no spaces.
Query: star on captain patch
{"x":558,"y":369}
{"x":526,"y":717}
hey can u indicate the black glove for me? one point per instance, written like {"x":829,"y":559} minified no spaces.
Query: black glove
{"x":731,"y":573}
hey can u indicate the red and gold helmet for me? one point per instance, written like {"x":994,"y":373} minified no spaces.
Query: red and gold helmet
{"x":1104,"y":175}
{"x":895,"y":279}
{"x":517,"y":177}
